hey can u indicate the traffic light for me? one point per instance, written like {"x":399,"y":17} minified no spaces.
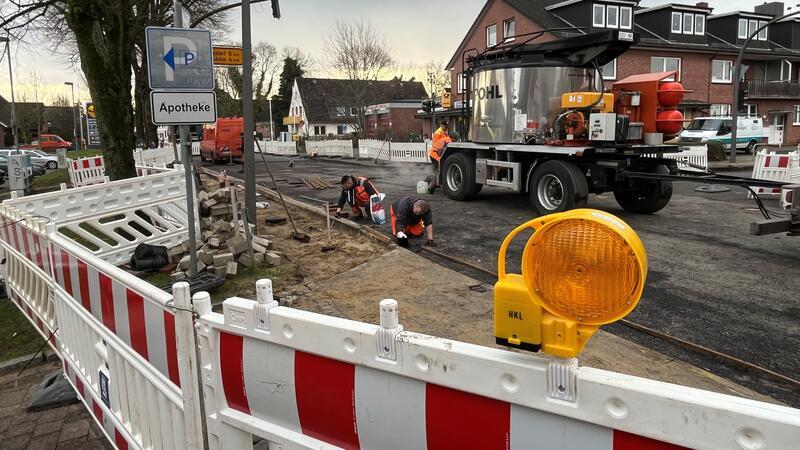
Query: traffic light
{"x":276,"y":9}
{"x":426,"y":105}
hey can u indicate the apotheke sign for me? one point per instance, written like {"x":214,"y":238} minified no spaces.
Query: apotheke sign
{"x":183,"y":108}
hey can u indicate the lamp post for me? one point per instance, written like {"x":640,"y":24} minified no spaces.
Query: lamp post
{"x":271,"y":130}
{"x":74,"y":122}
{"x":7,"y":40}
{"x":737,"y":79}
{"x":431,"y":79}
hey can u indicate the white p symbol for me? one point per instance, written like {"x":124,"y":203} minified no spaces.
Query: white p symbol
{"x":171,"y":59}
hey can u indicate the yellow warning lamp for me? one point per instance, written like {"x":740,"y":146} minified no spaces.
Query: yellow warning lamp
{"x":580,"y":269}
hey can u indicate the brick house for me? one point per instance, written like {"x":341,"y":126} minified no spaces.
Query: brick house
{"x":700,"y":45}
{"x":394,"y":120}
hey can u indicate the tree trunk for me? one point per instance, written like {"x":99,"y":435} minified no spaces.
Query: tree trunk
{"x":145,"y":128}
{"x":106,"y":45}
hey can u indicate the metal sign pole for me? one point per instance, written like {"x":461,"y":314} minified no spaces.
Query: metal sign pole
{"x":186,"y":159}
{"x":249,"y":120}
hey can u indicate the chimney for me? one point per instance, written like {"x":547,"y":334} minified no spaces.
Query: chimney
{"x":702,"y":5}
{"x":771,"y":8}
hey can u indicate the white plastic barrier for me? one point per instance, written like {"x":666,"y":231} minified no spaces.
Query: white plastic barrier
{"x":775,"y":167}
{"x":373,"y":148}
{"x":195,"y":148}
{"x":330,"y":148}
{"x":416,"y":152}
{"x":695,"y":155}
{"x":155,"y":156}
{"x":277,"y":148}
{"x":109,"y":220}
{"x":86,"y":171}
{"x":300,"y":379}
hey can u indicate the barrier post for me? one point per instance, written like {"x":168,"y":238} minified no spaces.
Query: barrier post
{"x":187,"y":364}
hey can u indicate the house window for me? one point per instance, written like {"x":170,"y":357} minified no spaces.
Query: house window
{"x":509,"y":29}
{"x":353,"y":111}
{"x":720,"y":109}
{"x":625,"y":17}
{"x":721,"y":71}
{"x":460,"y":83}
{"x":762,"y":35}
{"x":688,"y":23}
{"x":661,"y":64}
{"x":341,"y":111}
{"x":699,"y":24}
{"x":612,"y":16}
{"x":491,"y":35}
{"x":676,"y":22}
{"x":786,"y":70}
{"x":742,"y":34}
{"x":609,"y":71}
{"x":752,"y":26}
{"x":341,"y":129}
{"x":751,"y":109}
{"x":796,"y":115}
{"x":598,"y":16}
{"x":319,"y":130}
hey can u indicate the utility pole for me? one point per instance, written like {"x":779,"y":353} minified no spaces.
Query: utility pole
{"x":186,"y":159}
{"x":75,"y":145}
{"x":271,"y":130}
{"x":7,"y":40}
{"x":249,"y":120}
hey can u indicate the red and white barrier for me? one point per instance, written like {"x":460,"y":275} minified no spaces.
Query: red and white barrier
{"x":86,"y":171}
{"x":695,"y":155}
{"x":775,"y":167}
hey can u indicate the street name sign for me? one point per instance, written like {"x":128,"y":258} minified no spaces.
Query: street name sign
{"x":228,"y":56}
{"x":183,"y":108}
{"x":179,"y":59}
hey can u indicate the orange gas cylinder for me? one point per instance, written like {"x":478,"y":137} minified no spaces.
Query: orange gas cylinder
{"x":670,"y":94}
{"x":669,"y":121}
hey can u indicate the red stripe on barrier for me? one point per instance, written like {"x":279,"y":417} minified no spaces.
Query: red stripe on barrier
{"x":628,"y":441}
{"x":172,"y":348}
{"x":136,"y":322}
{"x":97,"y":411}
{"x":25,"y":249}
{"x":783,"y":161}
{"x":122,"y":444}
{"x":231,"y":347}
{"x":79,"y":385}
{"x":107,"y":302}
{"x":37,"y":247}
{"x":83,"y":279}
{"x":767,"y":161}
{"x":66,"y":274}
{"x":85,"y":163}
{"x":40,"y":325}
{"x":326,"y":410}
{"x":449,"y":412}
{"x":98,"y":162}
{"x":13,"y":231}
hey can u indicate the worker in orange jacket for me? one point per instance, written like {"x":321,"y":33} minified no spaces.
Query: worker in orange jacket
{"x":411,"y":217}
{"x":356,"y":192}
{"x":440,"y":140}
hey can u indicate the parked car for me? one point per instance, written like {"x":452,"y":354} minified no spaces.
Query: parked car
{"x":3,"y":176}
{"x":223,"y":139}
{"x":704,"y":129}
{"x":37,"y":157}
{"x":38,"y":169}
{"x":47,"y":142}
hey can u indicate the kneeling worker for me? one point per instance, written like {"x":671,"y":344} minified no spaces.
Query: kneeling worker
{"x":411,"y":217}
{"x":356,"y":192}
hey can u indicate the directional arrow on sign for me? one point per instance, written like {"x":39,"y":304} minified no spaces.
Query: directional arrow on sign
{"x":169,"y":58}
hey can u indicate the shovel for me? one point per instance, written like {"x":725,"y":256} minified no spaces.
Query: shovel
{"x":296,"y":235}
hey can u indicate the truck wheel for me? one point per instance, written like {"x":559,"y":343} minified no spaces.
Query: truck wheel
{"x":645,"y":196}
{"x":558,"y":186}
{"x":750,"y":146}
{"x":458,"y":177}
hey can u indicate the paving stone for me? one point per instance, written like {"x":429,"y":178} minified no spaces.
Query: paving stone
{"x":48,"y":427}
{"x":202,"y":196}
{"x":25,"y":427}
{"x":44,"y":442}
{"x":220,"y":210}
{"x":258,"y":248}
{"x":246,"y":261}
{"x":12,"y":398}
{"x":221,"y":259}
{"x":210,"y":203}
{"x":177,"y":276}
{"x":17,"y":442}
{"x":272,"y":258}
{"x":54,"y":414}
{"x":237,"y":244}
{"x":231,"y":268}
{"x":206,"y":257}
{"x":213,"y":242}
{"x":266,"y":243}
{"x":74,"y":430}
{"x":184,"y":263}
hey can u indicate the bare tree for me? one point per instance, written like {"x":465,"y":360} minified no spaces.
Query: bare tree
{"x":266,"y":65}
{"x":427,"y":72}
{"x":61,"y":100}
{"x":304,"y":61}
{"x":358,"y":51}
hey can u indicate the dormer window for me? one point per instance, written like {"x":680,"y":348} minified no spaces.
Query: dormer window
{"x":749,"y":26}
{"x":677,"y":20}
{"x":612,"y":16}
{"x":688,"y":23}
{"x":699,"y":24}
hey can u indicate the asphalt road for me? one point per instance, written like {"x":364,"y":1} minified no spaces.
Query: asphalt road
{"x":709,"y":282}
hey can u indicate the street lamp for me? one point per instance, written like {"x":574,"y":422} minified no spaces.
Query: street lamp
{"x":737,"y":76}
{"x":11,"y":81}
{"x":74,"y":122}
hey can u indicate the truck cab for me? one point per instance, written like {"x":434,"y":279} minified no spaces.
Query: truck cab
{"x":223,"y":139}
{"x":750,"y":131}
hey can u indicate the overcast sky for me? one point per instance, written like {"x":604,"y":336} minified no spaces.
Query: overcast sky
{"x":419,"y":31}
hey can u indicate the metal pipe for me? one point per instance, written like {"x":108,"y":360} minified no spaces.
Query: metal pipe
{"x":736,"y":81}
{"x":249,"y":120}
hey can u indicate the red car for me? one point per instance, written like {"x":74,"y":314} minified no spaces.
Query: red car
{"x":48,"y":143}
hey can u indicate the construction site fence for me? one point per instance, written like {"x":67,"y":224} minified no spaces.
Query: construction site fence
{"x":774,"y":166}
{"x":343,"y":148}
{"x":413,"y":152}
{"x":277,"y":147}
{"x":86,"y":171}
{"x":303,"y":380}
{"x":697,"y":156}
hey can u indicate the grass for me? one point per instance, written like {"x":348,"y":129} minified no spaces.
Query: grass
{"x":84,"y":153}
{"x":51,"y":179}
{"x":17,"y":335}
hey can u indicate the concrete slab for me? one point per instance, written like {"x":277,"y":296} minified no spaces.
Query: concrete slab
{"x":436,"y":300}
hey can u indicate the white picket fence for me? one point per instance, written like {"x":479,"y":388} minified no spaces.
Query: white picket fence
{"x":277,"y":148}
{"x":306,"y":380}
{"x":696,"y":155}
{"x":331,"y":148}
{"x":775,"y":166}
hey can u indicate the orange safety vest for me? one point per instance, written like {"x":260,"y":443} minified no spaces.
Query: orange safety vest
{"x":440,"y":140}
{"x":362,"y":196}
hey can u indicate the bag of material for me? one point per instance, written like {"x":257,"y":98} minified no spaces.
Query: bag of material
{"x":377,"y":210}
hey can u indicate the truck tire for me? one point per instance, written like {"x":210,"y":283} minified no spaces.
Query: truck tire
{"x":458,"y":177}
{"x":558,"y":186}
{"x":645,"y":196}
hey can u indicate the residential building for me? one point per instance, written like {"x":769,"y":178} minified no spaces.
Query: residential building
{"x":394,"y":120}
{"x":322,"y":107}
{"x":689,"y":38}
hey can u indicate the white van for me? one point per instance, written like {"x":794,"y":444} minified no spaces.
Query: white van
{"x":704,"y":129}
